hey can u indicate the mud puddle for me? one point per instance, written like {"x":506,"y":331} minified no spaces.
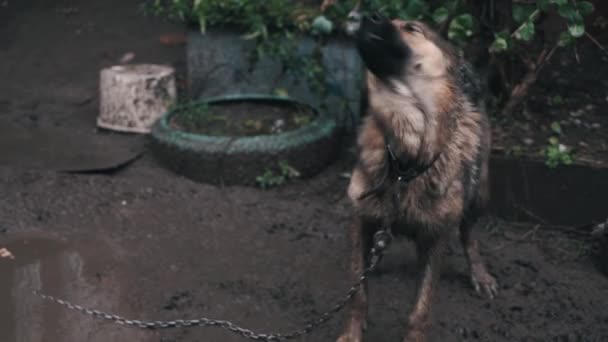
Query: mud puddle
{"x":57,"y":268}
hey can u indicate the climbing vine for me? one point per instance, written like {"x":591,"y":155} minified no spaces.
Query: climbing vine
{"x":505,"y":32}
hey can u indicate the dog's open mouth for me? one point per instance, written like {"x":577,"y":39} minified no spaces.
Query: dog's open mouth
{"x":381,"y":47}
{"x":374,"y":36}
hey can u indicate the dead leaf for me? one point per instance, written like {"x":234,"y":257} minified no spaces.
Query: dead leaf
{"x":5,"y":253}
{"x":178,"y":38}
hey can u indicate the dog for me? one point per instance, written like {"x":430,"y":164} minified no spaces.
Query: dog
{"x":423,"y":150}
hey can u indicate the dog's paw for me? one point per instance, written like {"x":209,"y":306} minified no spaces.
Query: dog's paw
{"x":484,"y":282}
{"x":414,"y":336}
{"x":350,"y":336}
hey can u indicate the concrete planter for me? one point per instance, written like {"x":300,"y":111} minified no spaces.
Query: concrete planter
{"x":523,"y":189}
{"x":133,"y":96}
{"x":218,"y":65}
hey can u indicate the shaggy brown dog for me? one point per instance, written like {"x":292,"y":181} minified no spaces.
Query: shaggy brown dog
{"x":423,"y":158}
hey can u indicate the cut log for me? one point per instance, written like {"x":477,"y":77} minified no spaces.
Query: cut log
{"x":134,"y":96}
{"x":600,"y":246}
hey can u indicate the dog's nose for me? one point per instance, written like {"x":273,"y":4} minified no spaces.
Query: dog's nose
{"x":375,"y":18}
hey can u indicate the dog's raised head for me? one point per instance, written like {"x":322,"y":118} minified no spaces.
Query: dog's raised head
{"x":408,"y":58}
{"x":395,"y":50}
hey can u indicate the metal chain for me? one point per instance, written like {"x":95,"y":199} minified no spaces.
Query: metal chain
{"x":380,"y":244}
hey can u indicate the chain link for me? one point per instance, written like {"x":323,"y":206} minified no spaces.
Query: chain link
{"x":375,"y":257}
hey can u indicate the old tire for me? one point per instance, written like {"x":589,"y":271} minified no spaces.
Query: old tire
{"x":240,"y":160}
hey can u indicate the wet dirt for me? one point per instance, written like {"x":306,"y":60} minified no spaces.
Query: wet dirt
{"x":169,"y":248}
{"x":54,"y":267}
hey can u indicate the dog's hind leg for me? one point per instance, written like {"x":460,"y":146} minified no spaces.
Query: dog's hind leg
{"x":430,"y":254}
{"x":360,"y":236}
{"x":480,"y":278}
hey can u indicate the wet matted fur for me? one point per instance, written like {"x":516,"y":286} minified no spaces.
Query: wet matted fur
{"x":422,"y":101}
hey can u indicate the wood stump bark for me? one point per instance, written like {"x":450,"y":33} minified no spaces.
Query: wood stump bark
{"x":134,"y":96}
{"x":600,"y":246}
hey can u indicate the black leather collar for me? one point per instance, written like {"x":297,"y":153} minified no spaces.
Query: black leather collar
{"x":400,"y":172}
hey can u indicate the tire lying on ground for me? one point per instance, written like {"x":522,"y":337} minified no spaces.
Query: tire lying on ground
{"x":239,"y":160}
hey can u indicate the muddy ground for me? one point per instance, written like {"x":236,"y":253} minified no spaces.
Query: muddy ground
{"x":148,"y":244}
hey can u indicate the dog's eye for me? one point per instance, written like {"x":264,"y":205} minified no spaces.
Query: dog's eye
{"x":411,"y":28}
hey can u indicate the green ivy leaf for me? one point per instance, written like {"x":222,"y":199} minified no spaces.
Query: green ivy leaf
{"x":461,"y":27}
{"x":585,"y":7}
{"x":501,"y":42}
{"x":499,"y":45}
{"x":553,"y":141}
{"x":576,"y":30}
{"x":415,"y":9}
{"x":565,"y":39}
{"x":521,"y":13}
{"x":526,"y":32}
{"x":559,"y":2}
{"x":440,"y":15}
{"x":567,"y":11}
{"x":556,"y":127}
{"x":543,"y":5}
{"x":321,"y":25}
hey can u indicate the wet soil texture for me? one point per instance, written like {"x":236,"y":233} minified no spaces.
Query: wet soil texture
{"x":242,"y":119}
{"x":145,"y":243}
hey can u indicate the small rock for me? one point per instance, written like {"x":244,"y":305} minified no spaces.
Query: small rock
{"x":127,"y":57}
{"x":589,"y":107}
{"x":583,"y":144}
{"x":123,"y":202}
{"x":562,"y":148}
{"x":596,"y":125}
{"x":528,"y":141}
{"x":278,"y":126}
{"x":463,"y":332}
{"x":576,"y":122}
{"x":576,"y":113}
{"x":68,"y":10}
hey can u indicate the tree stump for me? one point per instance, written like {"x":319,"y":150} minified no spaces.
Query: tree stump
{"x":134,"y":96}
{"x":600,"y":246}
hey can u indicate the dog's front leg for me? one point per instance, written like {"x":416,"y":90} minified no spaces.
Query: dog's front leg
{"x":430,"y":254}
{"x":360,"y":240}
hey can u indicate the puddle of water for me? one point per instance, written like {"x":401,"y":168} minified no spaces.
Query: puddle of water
{"x":57,"y":269}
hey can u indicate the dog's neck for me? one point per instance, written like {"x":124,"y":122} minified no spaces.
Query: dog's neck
{"x":411,"y":114}
{"x":424,"y":91}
